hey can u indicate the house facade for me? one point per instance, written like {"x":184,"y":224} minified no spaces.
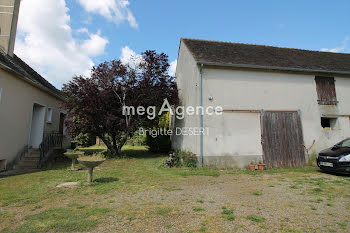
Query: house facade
{"x":29,"y":105}
{"x":279,"y":105}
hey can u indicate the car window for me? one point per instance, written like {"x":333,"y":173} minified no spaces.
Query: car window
{"x":345,"y":143}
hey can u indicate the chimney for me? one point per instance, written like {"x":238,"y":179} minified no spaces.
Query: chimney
{"x":9,"y":10}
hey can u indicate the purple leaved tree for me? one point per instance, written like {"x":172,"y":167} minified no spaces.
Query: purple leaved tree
{"x":95,"y":104}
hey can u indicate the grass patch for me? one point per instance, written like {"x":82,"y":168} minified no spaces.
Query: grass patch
{"x":231,"y":217}
{"x":307,"y":169}
{"x":256,"y":218}
{"x":342,"y":225}
{"x":228,"y":213}
{"x":203,"y":227}
{"x":316,"y":191}
{"x":257,"y":193}
{"x":197,"y":209}
{"x":63,"y":220}
{"x":143,"y":172}
{"x":163,"y":211}
{"x":318,"y":200}
{"x":139,"y":172}
{"x":37,"y":207}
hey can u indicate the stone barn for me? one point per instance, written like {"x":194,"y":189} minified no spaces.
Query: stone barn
{"x":279,"y":105}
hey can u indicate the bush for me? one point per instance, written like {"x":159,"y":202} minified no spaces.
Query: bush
{"x":190,"y":160}
{"x":137,"y":140}
{"x":182,"y":158}
{"x":159,"y":144}
{"x":312,"y":159}
{"x":84,"y":140}
{"x":173,"y":161}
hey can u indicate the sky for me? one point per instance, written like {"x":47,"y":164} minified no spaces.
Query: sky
{"x":64,"y":38}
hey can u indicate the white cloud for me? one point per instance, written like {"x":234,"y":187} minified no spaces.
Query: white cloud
{"x":113,"y":10}
{"x":172,"y":68}
{"x":95,"y":45}
{"x":46,"y":42}
{"x":83,"y":30}
{"x":129,"y":57}
{"x":340,"y":48}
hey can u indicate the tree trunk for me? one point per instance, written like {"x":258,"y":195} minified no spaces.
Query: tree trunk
{"x":114,"y":148}
{"x":111,"y":147}
{"x":115,"y":145}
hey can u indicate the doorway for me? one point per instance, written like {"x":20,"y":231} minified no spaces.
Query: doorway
{"x":37,"y":126}
{"x":61,"y":128}
{"x":282,"y":139}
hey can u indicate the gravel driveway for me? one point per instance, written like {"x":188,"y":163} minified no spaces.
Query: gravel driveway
{"x":290,"y":202}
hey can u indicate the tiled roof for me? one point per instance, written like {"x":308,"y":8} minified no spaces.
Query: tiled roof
{"x":261,"y":56}
{"x":24,"y":70}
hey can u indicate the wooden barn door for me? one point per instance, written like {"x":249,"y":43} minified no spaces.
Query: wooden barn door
{"x":282,"y":139}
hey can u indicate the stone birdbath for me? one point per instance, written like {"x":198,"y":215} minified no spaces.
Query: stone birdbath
{"x":90,"y":162}
{"x":73,"y":155}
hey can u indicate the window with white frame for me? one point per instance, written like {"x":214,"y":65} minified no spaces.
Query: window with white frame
{"x":49,"y":115}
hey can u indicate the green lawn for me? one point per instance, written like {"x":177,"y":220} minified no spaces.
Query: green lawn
{"x":135,"y":191}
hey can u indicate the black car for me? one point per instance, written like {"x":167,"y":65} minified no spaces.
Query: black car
{"x":336,"y":159}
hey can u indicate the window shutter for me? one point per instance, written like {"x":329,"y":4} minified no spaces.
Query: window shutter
{"x":326,"y":90}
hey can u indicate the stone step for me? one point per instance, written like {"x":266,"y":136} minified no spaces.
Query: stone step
{"x":28,"y":160}
{"x":24,"y":168}
{"x":32,"y":156}
{"x":34,"y":150}
{"x":31,"y":159}
{"x":27,"y":163}
{"x":33,"y":153}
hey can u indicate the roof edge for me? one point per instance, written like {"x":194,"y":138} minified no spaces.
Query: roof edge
{"x":257,"y":67}
{"x":34,"y":83}
{"x":270,"y":46}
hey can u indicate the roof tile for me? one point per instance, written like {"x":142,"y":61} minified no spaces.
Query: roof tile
{"x":227,"y":53}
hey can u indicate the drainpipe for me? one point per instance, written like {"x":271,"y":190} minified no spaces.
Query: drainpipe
{"x":201,"y":116}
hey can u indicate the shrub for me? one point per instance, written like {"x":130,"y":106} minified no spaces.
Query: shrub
{"x":84,"y":140}
{"x":137,"y":140}
{"x":189,"y":160}
{"x":159,"y":144}
{"x":182,"y":158}
{"x":312,"y":159}
{"x":173,"y":161}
